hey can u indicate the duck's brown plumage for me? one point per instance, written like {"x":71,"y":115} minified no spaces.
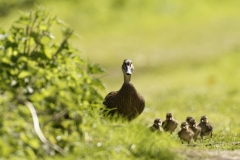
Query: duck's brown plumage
{"x":126,"y":102}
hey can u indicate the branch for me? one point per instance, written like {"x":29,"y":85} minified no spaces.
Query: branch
{"x":39,"y":131}
{"x":58,"y":116}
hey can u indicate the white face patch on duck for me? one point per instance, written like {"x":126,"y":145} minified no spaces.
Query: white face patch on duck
{"x":184,"y":125}
{"x":127,"y":66}
{"x":157,"y":122}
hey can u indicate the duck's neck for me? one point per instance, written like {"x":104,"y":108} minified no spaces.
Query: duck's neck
{"x":127,"y":78}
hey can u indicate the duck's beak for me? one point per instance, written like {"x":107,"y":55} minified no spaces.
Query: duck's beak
{"x":127,"y":69}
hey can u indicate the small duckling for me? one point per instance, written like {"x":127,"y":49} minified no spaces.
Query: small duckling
{"x":196,"y":129}
{"x":206,"y":127}
{"x":188,"y":119}
{"x":185,"y":134}
{"x":157,"y":125}
{"x":170,"y":124}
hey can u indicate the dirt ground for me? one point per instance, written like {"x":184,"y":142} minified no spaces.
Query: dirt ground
{"x":211,"y":154}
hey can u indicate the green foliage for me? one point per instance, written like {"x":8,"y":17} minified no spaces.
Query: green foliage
{"x":51,"y":75}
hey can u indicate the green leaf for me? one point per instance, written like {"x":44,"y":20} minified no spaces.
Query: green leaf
{"x":30,"y":152}
{"x":46,"y":40}
{"x":34,"y":143}
{"x":94,"y":68}
{"x":48,"y":53}
{"x":6,"y":60}
{"x":24,"y":74}
{"x":23,"y":137}
{"x":98,"y":83}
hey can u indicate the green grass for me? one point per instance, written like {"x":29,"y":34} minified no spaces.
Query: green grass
{"x":186,"y":57}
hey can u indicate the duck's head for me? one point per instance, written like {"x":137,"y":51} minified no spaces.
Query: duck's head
{"x":157,"y":122}
{"x":184,"y":125}
{"x":204,"y":119}
{"x":127,"y":68}
{"x":188,"y":119}
{"x":193,"y":122}
{"x":169,"y":116}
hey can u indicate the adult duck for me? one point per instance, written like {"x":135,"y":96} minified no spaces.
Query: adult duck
{"x":126,"y":102}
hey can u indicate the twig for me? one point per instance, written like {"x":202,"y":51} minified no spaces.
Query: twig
{"x":39,"y":131}
{"x":58,"y":116}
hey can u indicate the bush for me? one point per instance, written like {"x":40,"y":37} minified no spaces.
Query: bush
{"x":40,"y":72}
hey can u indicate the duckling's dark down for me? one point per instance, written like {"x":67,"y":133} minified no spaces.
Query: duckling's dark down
{"x":196,"y":129}
{"x":185,"y":134}
{"x":126,"y":102}
{"x":169,"y":124}
{"x":157,"y":125}
{"x":206,"y":127}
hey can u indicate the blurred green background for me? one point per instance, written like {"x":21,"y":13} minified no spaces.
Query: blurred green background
{"x":186,"y":53}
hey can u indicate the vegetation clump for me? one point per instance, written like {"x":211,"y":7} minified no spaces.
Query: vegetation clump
{"x":43,"y":80}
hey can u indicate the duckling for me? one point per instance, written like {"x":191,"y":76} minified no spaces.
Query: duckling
{"x":157,"y":125}
{"x":169,"y":124}
{"x":188,"y":119}
{"x":126,"y":102}
{"x":206,"y":127}
{"x":196,"y":129}
{"x":185,"y":134}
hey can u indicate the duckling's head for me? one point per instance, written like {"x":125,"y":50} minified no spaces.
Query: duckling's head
{"x":204,"y":119}
{"x":127,"y":68}
{"x":184,"y":125}
{"x":193,"y":123}
{"x":157,"y":122}
{"x":169,"y":116}
{"x":188,"y":118}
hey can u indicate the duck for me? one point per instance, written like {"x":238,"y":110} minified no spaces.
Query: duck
{"x":206,"y":126}
{"x":195,"y":128}
{"x":169,"y":124}
{"x":185,"y":134}
{"x":127,"y":102}
{"x":157,"y":125}
{"x":188,"y":119}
